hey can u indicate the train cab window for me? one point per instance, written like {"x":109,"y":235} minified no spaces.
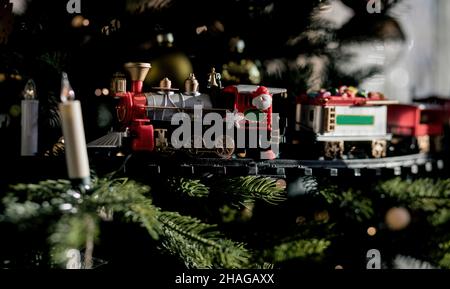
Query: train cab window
{"x":227,"y":101}
{"x":429,"y":117}
{"x":247,"y":98}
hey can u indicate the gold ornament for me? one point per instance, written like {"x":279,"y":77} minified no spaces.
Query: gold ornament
{"x":169,"y":62}
{"x":397,"y":218}
{"x":191,"y":85}
{"x":244,"y":71}
{"x":214,"y":79}
{"x":175,"y":66}
{"x":322,"y":216}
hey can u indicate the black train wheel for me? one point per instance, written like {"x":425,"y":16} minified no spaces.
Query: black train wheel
{"x":224,"y":146}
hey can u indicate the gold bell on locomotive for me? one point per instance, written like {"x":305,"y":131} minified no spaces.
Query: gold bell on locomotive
{"x":165,"y":86}
{"x":191,"y":85}
{"x":214,"y":79}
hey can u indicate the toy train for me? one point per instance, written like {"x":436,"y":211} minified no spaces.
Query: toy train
{"x":420,"y":126}
{"x":146,"y":120}
{"x":344,"y":123}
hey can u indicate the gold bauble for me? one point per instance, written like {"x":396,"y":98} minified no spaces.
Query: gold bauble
{"x":175,"y":66}
{"x":321,"y":216}
{"x":244,"y":71}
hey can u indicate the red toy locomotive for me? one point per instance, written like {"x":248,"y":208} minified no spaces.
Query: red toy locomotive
{"x":146,"y":119}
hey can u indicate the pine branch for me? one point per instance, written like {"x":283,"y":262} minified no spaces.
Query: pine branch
{"x":305,"y":248}
{"x":29,"y":204}
{"x":445,"y":261}
{"x":20,"y":212}
{"x":439,"y":217}
{"x":56,"y":60}
{"x":444,"y":258}
{"x":421,"y":188}
{"x":129,"y":198}
{"x":199,"y":245}
{"x":421,"y":194}
{"x":330,"y":194}
{"x":188,"y":187}
{"x":358,"y":207}
{"x":352,"y":203}
{"x":44,"y":190}
{"x":253,"y":188}
{"x":74,"y":232}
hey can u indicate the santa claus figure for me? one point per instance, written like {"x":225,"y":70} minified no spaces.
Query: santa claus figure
{"x":262,"y":99}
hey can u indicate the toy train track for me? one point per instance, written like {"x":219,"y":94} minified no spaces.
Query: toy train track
{"x":281,"y":168}
{"x":157,"y":166}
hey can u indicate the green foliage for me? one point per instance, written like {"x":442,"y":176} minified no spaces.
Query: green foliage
{"x":296,"y":249}
{"x":252,"y":188}
{"x":445,"y":261}
{"x":73,"y":219}
{"x":43,"y":190}
{"x":431,"y":196}
{"x":16,"y":212}
{"x":440,"y":217}
{"x":359,"y":207}
{"x":129,"y":198}
{"x":200,"y":245}
{"x":56,"y":60}
{"x":330,"y":194}
{"x":353,"y":203}
{"x":188,"y":187}
{"x":232,"y":214}
{"x":73,"y":231}
{"x":421,"y":189}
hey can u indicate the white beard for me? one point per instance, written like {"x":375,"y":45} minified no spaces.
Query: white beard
{"x":262,"y":102}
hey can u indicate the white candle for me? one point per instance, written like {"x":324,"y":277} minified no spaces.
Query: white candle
{"x":74,"y":138}
{"x":30,"y":112}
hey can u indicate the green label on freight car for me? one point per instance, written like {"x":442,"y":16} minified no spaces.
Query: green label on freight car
{"x":355,"y":120}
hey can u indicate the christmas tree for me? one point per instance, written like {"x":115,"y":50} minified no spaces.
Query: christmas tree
{"x":211,"y":221}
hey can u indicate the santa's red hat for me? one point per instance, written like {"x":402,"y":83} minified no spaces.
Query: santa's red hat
{"x":261,"y":90}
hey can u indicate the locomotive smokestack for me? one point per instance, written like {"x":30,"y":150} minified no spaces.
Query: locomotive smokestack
{"x":138,"y":71}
